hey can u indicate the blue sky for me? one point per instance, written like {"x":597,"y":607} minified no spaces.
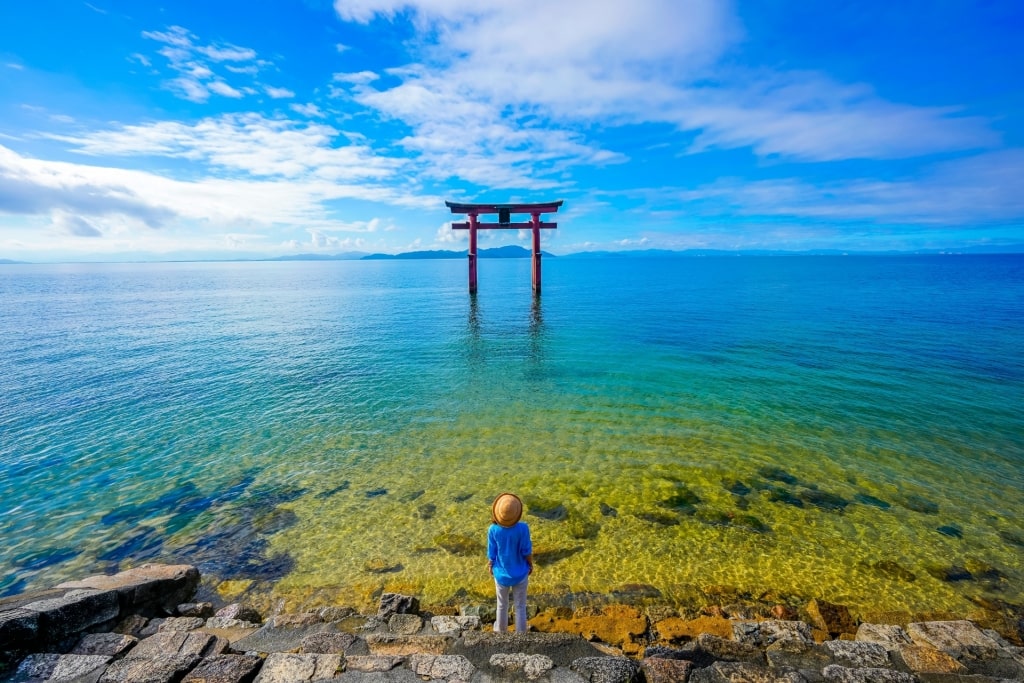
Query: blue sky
{"x":237,"y":129}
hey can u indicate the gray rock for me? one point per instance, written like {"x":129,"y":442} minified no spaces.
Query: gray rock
{"x":372,"y":663}
{"x":739,"y":672}
{"x":181,"y":624}
{"x":18,"y":627}
{"x":163,"y":668}
{"x":764,"y":633}
{"x":283,"y":667}
{"x":561,"y":648}
{"x":393,"y":644}
{"x":55,"y":668}
{"x":203,"y":610}
{"x":336,"y":613}
{"x":228,"y":622}
{"x":658,"y":670}
{"x":724,"y":650}
{"x":607,"y":669}
{"x":955,"y":638}
{"x":485,"y":613}
{"x":150,"y":586}
{"x":792,"y":655}
{"x":74,"y":612}
{"x":858,"y":655}
{"x":151,"y":627}
{"x":686,"y":652}
{"x":405,"y":624}
{"x":295,"y":620}
{"x":842,"y":674}
{"x":329,"y":643}
{"x":533,"y":666}
{"x":396,"y":603}
{"x":447,"y":667}
{"x":889,"y":637}
{"x":446,"y":625}
{"x":176,"y":643}
{"x":104,"y":644}
{"x":132,"y":625}
{"x":225,"y":669}
{"x":237,"y":610}
{"x":270,"y":638}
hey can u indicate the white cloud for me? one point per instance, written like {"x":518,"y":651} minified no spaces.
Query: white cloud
{"x":356,"y":77}
{"x":341,"y":48}
{"x":279,"y":93}
{"x":222,"y":88}
{"x":13,"y":65}
{"x":76,"y":226}
{"x":310,"y":110}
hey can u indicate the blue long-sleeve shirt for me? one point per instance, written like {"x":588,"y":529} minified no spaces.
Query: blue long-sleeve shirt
{"x":507,"y":550}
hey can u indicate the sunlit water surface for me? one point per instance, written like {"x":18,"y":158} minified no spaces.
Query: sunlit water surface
{"x":846,"y":428}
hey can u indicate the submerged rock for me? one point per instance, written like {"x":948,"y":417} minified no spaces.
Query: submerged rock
{"x":658,"y":518}
{"x":457,"y":544}
{"x":379,"y":565}
{"x":893,"y":570}
{"x":376,"y":493}
{"x":583,"y":529}
{"x":866,"y":499}
{"x":951,"y":531}
{"x":343,"y":486}
{"x":950,"y":574}
{"x":750,"y":523}
{"x":462,"y":497}
{"x":425,"y":511}
{"x":1012,"y":538}
{"x":546,"y":509}
{"x":920,"y":504}
{"x":777,"y":474}
{"x":609,"y":511}
{"x":684,"y":501}
{"x":146,"y":543}
{"x":778,"y":494}
{"x":714,"y":518}
{"x":411,"y":496}
{"x":736,"y":487}
{"x":824,"y":500}
{"x":550,"y":556}
{"x":41,"y":559}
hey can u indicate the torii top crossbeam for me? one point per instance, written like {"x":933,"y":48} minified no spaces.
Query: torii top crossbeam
{"x":504,"y":212}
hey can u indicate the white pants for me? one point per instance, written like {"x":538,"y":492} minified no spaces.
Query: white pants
{"x":519,"y":601}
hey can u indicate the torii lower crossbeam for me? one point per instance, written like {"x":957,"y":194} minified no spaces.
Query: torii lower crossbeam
{"x":504,"y":211}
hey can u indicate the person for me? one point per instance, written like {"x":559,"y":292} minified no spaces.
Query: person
{"x":509,"y":558}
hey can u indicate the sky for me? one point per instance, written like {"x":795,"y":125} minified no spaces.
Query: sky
{"x":134,"y":130}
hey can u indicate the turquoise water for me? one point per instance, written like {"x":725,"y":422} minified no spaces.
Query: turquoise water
{"x":847,"y":428}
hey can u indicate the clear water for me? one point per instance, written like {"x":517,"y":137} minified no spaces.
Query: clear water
{"x":317,"y":431}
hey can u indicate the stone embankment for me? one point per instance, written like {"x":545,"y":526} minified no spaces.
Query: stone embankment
{"x":139,"y":627}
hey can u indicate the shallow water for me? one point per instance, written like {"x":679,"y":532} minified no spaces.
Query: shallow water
{"x":847,"y":428}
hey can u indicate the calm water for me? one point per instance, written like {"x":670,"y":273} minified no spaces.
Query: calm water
{"x":848,"y":428}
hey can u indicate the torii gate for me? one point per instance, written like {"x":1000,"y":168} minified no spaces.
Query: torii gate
{"x":504,"y":212}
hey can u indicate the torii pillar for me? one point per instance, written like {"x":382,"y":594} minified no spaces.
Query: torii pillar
{"x":505,"y":212}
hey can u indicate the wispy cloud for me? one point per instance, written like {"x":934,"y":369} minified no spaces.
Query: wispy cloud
{"x":279,"y":93}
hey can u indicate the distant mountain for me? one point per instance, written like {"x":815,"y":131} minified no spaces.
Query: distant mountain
{"x":344,"y":256}
{"x":9,"y":262}
{"x":696,"y":253}
{"x":509,"y":251}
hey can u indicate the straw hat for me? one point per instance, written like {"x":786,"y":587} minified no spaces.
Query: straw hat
{"x":506,"y":509}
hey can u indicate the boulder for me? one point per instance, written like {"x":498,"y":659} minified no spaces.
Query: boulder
{"x":203,"y":610}
{"x":18,"y":627}
{"x":561,"y":648}
{"x":842,"y":674}
{"x":890,"y":637}
{"x":708,"y":647}
{"x":924,"y":659}
{"x":75,"y":611}
{"x":393,"y":644}
{"x":55,"y":668}
{"x":618,"y":625}
{"x":798,"y":656}
{"x":831,"y":618}
{"x":327,"y":643}
{"x":237,"y":610}
{"x":104,"y":644}
{"x":675,"y":629}
{"x":446,"y":667}
{"x":764,"y":633}
{"x":284,"y":667}
{"x":177,"y":643}
{"x":485,"y":613}
{"x":858,"y":655}
{"x":405,"y":624}
{"x":225,"y":669}
{"x":955,"y":638}
{"x":607,"y":669}
{"x":736,"y":672}
{"x":396,"y":603}
{"x":161,"y":668}
{"x":270,"y":638}
{"x":657,"y":670}
{"x":372,"y":663}
{"x":148,"y":587}
{"x":448,"y":625}
{"x":181,"y":624}
{"x":533,"y":666}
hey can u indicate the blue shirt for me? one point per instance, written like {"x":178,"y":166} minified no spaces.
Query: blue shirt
{"x":507,"y":550}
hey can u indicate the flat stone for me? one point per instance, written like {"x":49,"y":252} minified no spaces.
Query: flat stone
{"x":396,"y":603}
{"x":617,"y":625}
{"x":394,"y":644}
{"x":859,"y":655}
{"x":955,"y":638}
{"x":328,"y":643}
{"x":927,"y":659}
{"x":295,"y":620}
{"x":739,"y":672}
{"x":225,"y":669}
{"x":74,"y":612}
{"x":485,"y":613}
{"x":675,"y":629}
{"x":104,"y":644}
{"x":447,"y":667}
{"x":56,"y":668}
{"x":162,"y":668}
{"x":18,"y":627}
{"x":203,"y":610}
{"x":561,"y":648}
{"x":842,"y":674}
{"x":657,"y":670}
{"x":889,"y":636}
{"x":132,"y":625}
{"x":372,"y":663}
{"x":284,"y":667}
{"x":158,"y":586}
{"x":764,"y":633}
{"x":405,"y":624}
{"x":175,"y":643}
{"x":798,"y":656}
{"x":272,"y":639}
{"x":607,"y":669}
{"x":533,"y":666}
{"x":449,"y":625}
{"x":831,"y":618}
{"x":181,"y":624}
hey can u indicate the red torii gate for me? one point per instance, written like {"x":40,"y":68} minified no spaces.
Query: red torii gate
{"x":504,"y":212}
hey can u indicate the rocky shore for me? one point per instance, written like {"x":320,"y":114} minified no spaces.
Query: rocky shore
{"x":143,"y":626}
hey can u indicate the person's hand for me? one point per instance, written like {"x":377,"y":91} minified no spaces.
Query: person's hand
{"x":490,"y":568}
